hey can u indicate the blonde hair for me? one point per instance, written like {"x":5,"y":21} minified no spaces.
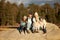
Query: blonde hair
{"x":36,"y":13}
{"x":24,"y":17}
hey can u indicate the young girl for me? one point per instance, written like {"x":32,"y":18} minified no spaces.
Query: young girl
{"x":23,"y":24}
{"x":43,"y":25}
{"x":36,"y":22}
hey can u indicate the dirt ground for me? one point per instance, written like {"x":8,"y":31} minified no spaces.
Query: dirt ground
{"x":53,"y":33}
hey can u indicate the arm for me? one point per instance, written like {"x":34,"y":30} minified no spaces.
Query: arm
{"x":34,"y":20}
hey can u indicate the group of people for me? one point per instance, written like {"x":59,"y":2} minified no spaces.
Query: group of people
{"x":32,"y":23}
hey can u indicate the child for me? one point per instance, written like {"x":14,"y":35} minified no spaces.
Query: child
{"x":36,"y":22}
{"x":29,"y":22}
{"x":43,"y":25}
{"x":23,"y":24}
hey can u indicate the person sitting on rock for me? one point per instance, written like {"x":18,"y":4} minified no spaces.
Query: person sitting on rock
{"x":23,"y":24}
{"x":36,"y":22}
{"x":29,"y":22}
{"x":43,"y":25}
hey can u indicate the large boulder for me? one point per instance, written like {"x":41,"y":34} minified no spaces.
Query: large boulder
{"x":53,"y":35}
{"x":51,"y":27}
{"x":53,"y":32}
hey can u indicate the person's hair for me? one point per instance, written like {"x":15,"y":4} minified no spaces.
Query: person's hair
{"x":30,"y":13}
{"x":23,"y":19}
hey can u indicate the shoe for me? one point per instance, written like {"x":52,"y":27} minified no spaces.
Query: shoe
{"x":28,"y":31}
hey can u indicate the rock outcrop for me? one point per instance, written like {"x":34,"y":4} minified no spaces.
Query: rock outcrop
{"x":53,"y":33}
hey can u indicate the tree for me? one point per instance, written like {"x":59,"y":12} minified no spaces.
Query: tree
{"x":22,"y":12}
{"x":49,"y":13}
{"x":11,"y":13}
{"x":34,"y":8}
{"x":57,"y":11}
{"x":2,"y":12}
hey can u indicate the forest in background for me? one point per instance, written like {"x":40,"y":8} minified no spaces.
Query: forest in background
{"x":10,"y":14}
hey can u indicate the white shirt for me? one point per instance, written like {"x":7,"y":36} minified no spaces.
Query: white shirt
{"x":29,"y":21}
{"x":36,"y":23}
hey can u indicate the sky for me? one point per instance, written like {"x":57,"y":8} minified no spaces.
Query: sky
{"x":26,"y":2}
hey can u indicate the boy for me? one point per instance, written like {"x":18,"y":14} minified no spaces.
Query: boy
{"x":23,"y":24}
{"x":29,"y":23}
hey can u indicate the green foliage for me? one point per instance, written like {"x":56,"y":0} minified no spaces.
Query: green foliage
{"x":11,"y":13}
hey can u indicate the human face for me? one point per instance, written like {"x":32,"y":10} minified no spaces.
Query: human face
{"x":25,"y":17}
{"x":30,"y":15}
{"x":36,"y":14}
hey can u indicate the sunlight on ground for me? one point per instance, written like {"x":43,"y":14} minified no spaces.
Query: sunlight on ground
{"x":53,"y":33}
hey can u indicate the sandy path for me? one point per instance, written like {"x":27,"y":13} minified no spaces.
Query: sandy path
{"x":53,"y":33}
{"x":15,"y":35}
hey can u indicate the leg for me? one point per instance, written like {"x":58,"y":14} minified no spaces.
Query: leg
{"x":34,"y":29}
{"x":44,"y":29}
{"x":37,"y":29}
{"x":24,"y":29}
{"x":28,"y":30}
{"x":21,"y":28}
